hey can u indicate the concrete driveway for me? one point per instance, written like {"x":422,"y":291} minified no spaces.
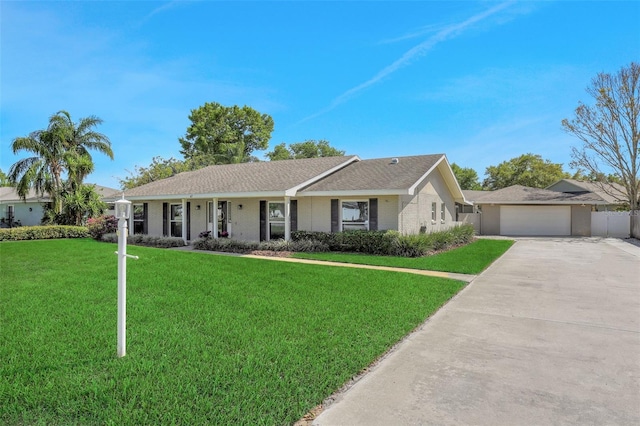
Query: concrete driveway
{"x":548,"y":335}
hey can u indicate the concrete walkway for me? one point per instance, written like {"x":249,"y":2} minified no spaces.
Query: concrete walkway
{"x":550,"y":334}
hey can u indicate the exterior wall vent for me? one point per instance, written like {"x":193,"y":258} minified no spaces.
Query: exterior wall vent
{"x":394,"y":161}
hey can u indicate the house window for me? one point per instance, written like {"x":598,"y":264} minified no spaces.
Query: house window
{"x":175,"y":220}
{"x":355,"y":215}
{"x":138,"y":218}
{"x":434,"y":207}
{"x":276,"y":220}
{"x":442,"y":212}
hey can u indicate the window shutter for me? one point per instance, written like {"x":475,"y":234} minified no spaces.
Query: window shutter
{"x":294,"y":215}
{"x":335,"y":218}
{"x":188,"y":220}
{"x":263,"y":220}
{"x":145,"y":222}
{"x":165,"y":219}
{"x":373,"y":214}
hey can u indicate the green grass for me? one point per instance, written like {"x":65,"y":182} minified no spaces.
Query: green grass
{"x":470,"y":259}
{"x":210,"y":339}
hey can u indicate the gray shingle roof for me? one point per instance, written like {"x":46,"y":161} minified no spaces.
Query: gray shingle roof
{"x":613,"y":193}
{"x":473,"y":195}
{"x":268,"y":176}
{"x":9,"y":193}
{"x":377,"y":174}
{"x":524,"y":194}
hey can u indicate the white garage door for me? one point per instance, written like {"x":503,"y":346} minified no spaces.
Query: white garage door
{"x":535,"y":220}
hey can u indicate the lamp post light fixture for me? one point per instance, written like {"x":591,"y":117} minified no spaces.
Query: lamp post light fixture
{"x":123,"y":212}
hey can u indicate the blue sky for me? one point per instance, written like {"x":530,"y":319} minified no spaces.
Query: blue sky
{"x":481,"y":81}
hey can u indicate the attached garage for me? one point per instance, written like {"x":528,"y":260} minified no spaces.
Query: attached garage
{"x":535,"y":220}
{"x":523,"y":211}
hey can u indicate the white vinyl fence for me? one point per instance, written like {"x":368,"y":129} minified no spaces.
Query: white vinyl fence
{"x":472,"y":218}
{"x":611,"y":224}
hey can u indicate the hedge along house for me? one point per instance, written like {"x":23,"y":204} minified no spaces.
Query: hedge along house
{"x":269,"y":200}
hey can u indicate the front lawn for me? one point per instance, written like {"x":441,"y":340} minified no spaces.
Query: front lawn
{"x":210,"y":340}
{"x":470,"y":259}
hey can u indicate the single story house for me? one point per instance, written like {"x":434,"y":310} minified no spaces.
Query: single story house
{"x":523,"y":211}
{"x":269,"y":200}
{"x":15,"y":211}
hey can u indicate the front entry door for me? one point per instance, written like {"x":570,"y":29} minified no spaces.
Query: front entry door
{"x":221,"y":216}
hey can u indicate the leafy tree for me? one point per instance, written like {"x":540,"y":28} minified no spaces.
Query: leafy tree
{"x":467,"y":177}
{"x":160,"y":168}
{"x":63,"y":147}
{"x":528,"y":170}
{"x":225,"y":135}
{"x":4,"y":180}
{"x":307,"y":149}
{"x":610,"y":131}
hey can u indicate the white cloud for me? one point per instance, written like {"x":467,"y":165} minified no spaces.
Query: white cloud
{"x":448,"y":32}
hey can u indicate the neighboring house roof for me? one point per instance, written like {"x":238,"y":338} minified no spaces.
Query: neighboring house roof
{"x":613,"y":193}
{"x":9,"y":194}
{"x":106,"y":192}
{"x":268,"y":178}
{"x":518,"y":194}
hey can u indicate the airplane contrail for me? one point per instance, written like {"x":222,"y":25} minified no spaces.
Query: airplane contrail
{"x":421,"y":49}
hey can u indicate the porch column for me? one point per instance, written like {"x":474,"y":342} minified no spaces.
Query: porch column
{"x":287,"y":218}
{"x":214,"y":215}
{"x":184,"y":220}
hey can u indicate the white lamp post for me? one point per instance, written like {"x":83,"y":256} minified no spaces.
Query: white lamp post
{"x":123,"y":212}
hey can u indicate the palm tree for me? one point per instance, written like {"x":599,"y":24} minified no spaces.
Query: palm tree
{"x":43,"y":171}
{"x":63,"y":147}
{"x":78,"y":139}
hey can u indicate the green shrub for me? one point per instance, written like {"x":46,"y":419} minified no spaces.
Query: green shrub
{"x":42,"y":232}
{"x":146,"y":240}
{"x":389,"y":242}
{"x":101,"y":225}
{"x":234,"y":246}
{"x":371,"y":242}
{"x":224,"y":245}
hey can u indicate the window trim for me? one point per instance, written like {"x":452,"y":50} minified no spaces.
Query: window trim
{"x":443,"y":211}
{"x":341,"y":208}
{"x":434,"y":208}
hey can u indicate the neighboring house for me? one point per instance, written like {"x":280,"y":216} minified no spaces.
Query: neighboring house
{"x":269,"y":200}
{"x":523,"y":211}
{"x":14,"y":211}
{"x":614,"y":194}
